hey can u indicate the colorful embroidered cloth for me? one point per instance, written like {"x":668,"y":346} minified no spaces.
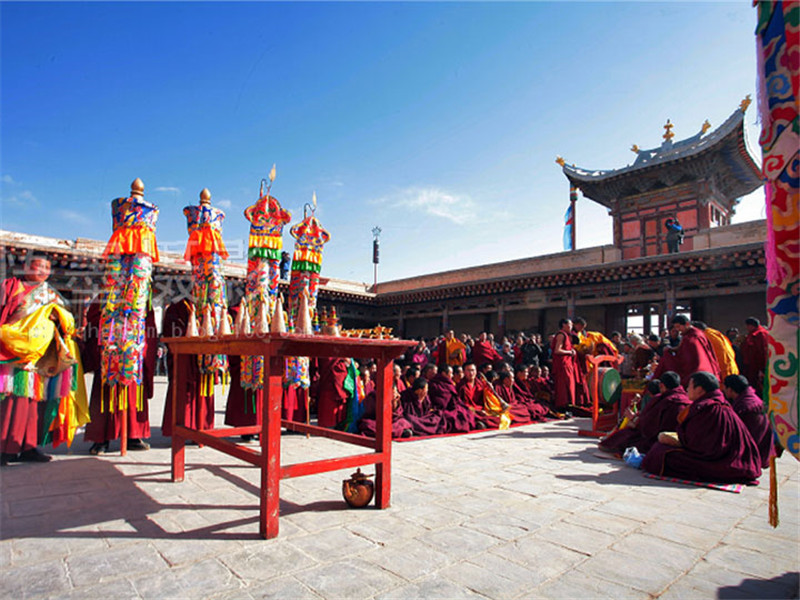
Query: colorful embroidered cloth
{"x":778,"y":33}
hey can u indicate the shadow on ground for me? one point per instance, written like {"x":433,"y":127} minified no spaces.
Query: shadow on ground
{"x":783,"y":586}
{"x":84,"y":496}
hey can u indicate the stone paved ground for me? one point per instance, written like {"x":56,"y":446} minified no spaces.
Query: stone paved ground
{"x":526,"y":513}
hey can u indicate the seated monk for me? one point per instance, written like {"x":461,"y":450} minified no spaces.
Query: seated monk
{"x":418,"y":411}
{"x":444,"y":398}
{"x":660,"y":414}
{"x":470,"y":393}
{"x":367,"y":425}
{"x":750,"y":408}
{"x":524,"y":395}
{"x":504,"y":388}
{"x":711,"y":444}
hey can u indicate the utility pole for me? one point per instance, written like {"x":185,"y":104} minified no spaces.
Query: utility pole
{"x":376,"y":245}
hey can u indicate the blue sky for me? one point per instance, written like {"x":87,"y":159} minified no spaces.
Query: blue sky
{"x":439,"y":122}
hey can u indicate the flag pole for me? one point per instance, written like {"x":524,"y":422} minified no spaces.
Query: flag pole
{"x":573,"y":199}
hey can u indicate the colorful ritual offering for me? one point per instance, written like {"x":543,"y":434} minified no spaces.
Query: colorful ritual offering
{"x":205,"y":250}
{"x":130,"y":254}
{"x":267,"y":219}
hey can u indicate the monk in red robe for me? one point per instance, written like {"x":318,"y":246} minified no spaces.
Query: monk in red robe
{"x":470,"y":393}
{"x":520,"y":414}
{"x":711,"y":442}
{"x":401,"y":427}
{"x":418,"y":411}
{"x":331,"y":395}
{"x":750,"y":409}
{"x":564,"y":367}
{"x":755,"y":353}
{"x":694,"y":353}
{"x":174,"y":324}
{"x":523,"y":393}
{"x":106,"y":425}
{"x":659,"y":414}
{"x":484,"y":352}
{"x":444,"y":399}
{"x":19,"y":416}
{"x":450,"y":351}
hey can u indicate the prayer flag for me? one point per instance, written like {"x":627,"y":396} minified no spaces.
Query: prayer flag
{"x":569,"y":223}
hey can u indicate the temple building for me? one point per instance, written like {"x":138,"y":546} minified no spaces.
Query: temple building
{"x":698,"y":180}
{"x":718,"y":276}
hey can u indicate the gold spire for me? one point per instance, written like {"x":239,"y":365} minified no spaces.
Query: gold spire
{"x":635,"y":149}
{"x":706,"y":126}
{"x":205,"y":196}
{"x":137,"y":187}
{"x":745,"y":103}
{"x":668,"y":135}
{"x":560,"y":161}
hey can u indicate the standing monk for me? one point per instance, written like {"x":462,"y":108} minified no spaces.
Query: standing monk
{"x":723,"y":349}
{"x":32,"y":319}
{"x":755,"y":352}
{"x":451,"y":351}
{"x":563,"y":366}
{"x":694,"y":353}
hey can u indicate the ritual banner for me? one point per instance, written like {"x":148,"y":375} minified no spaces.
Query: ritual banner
{"x":778,"y":52}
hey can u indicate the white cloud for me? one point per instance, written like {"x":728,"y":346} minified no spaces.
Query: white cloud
{"x":459,"y":209}
{"x":168,"y":189}
{"x":73,"y":216}
{"x":8,"y":179}
{"x":22,"y":198}
{"x":226,"y":204}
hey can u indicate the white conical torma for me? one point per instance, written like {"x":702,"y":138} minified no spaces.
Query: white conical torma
{"x":262,"y":321}
{"x":278,"y":324}
{"x":191,"y":324}
{"x":208,"y":322}
{"x":243,"y":319}
{"x":224,"y":324}
{"x":303,"y":324}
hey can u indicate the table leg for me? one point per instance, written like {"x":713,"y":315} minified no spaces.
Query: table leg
{"x":181,"y":367}
{"x":271,"y":447}
{"x":383,"y":433}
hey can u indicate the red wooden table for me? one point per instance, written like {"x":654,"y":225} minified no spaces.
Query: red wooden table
{"x":274,"y":347}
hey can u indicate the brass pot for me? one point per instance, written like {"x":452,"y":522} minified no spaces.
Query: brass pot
{"x":358,"y":490}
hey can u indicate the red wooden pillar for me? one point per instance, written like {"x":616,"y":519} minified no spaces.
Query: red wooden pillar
{"x":181,"y":362}
{"x":383,"y":431}
{"x":271,"y":447}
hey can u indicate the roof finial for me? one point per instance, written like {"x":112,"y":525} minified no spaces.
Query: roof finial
{"x":745,"y":103}
{"x":706,"y":126}
{"x":635,"y":149}
{"x":668,"y":135}
{"x":560,"y":161}
{"x":205,"y":196}
{"x":137,"y":187}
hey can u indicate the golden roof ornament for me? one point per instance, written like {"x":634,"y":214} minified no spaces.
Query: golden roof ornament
{"x":668,"y":135}
{"x":205,"y":196}
{"x":745,"y":103}
{"x":706,"y":126}
{"x":137,"y":188}
{"x":560,"y":161}
{"x":635,"y":149}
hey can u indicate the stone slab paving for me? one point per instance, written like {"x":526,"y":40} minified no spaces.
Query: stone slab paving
{"x":526,"y":513}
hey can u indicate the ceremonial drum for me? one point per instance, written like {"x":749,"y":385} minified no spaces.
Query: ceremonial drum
{"x":609,"y":388}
